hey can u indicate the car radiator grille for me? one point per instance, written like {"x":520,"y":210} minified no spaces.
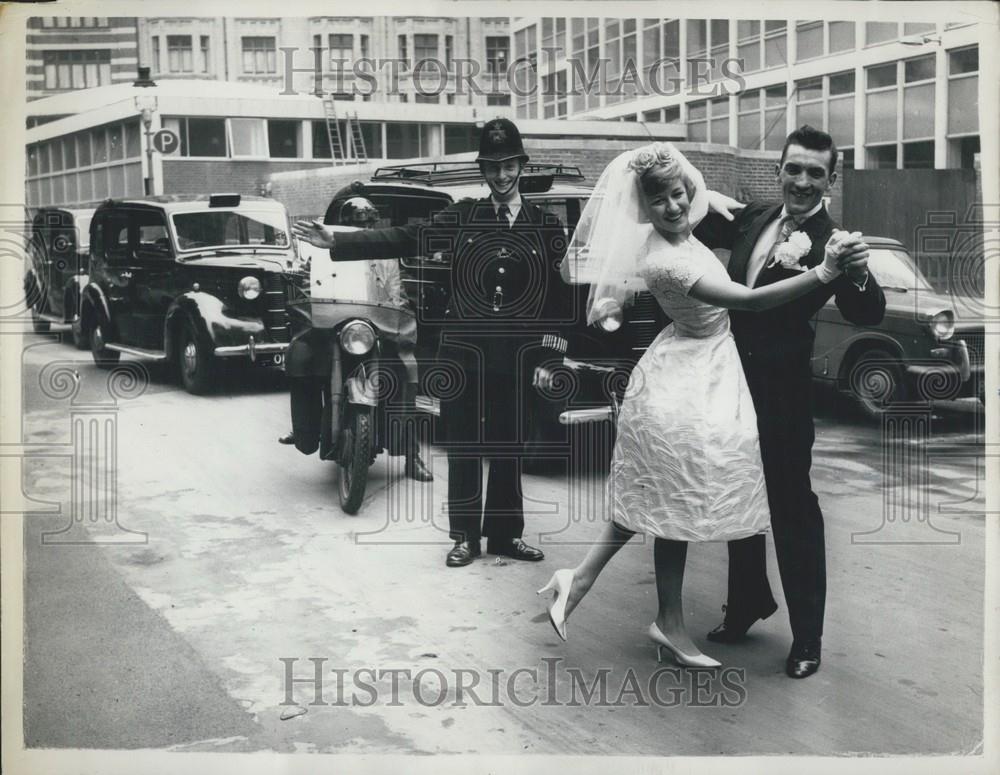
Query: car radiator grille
{"x":275,"y":317}
{"x":976,"y":342}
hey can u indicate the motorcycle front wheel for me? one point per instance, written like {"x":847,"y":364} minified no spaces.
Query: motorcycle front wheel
{"x":356,"y":454}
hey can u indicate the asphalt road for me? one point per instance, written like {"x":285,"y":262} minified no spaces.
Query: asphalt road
{"x":227,"y":564}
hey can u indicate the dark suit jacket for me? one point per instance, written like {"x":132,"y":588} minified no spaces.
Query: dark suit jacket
{"x":781,"y":338}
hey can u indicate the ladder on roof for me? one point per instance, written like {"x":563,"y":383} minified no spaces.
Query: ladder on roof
{"x":357,"y":139}
{"x":333,"y":135}
{"x":342,"y":151}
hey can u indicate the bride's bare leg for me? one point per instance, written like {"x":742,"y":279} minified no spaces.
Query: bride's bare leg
{"x":612,"y":539}
{"x":669,"y":558}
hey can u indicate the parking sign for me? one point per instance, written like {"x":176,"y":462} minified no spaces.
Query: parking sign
{"x":166,"y":141}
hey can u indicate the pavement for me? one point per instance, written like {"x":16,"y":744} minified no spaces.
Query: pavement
{"x":228,"y":568}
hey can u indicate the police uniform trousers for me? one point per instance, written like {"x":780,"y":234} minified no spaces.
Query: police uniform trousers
{"x":484,"y":421}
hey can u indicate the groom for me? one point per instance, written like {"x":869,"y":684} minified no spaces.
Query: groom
{"x":775,"y":347}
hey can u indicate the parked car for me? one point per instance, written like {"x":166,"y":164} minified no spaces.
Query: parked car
{"x":58,"y":242}
{"x":921,"y":352}
{"x":190,"y":280}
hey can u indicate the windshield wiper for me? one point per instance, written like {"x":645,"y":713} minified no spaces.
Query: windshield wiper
{"x":208,"y":252}
{"x":896,"y":288}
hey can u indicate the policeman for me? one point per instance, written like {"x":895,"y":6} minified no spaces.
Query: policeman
{"x":507,"y":304}
{"x":385,"y":276}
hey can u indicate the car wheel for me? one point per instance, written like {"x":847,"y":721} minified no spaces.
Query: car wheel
{"x":103,"y":357}
{"x":39,"y":324}
{"x":196,"y":361}
{"x":80,"y":339}
{"x":355,"y":457}
{"x":877,"y":382}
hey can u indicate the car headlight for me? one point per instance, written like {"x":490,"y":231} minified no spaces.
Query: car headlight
{"x":943,"y":325}
{"x":249,"y":288}
{"x":609,"y":314}
{"x":357,"y":337}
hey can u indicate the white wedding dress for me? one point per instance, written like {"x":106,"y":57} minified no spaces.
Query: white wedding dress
{"x":686,"y":464}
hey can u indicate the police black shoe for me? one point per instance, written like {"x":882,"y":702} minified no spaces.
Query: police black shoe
{"x":803,"y":660}
{"x":514,"y":548}
{"x":288,"y":438}
{"x":417,"y":469}
{"x":463,"y":553}
{"x":735,"y":625}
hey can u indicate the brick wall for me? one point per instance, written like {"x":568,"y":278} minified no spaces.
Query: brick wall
{"x":746,"y":175}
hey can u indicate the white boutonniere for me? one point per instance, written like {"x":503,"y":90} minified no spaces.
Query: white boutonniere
{"x":789,"y":253}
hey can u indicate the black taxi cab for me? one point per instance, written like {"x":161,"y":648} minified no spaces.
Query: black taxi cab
{"x":58,"y":243}
{"x":191,"y":280}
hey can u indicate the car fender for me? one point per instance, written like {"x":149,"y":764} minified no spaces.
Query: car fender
{"x":94,"y":307}
{"x":859,"y":344}
{"x":212,"y":319}
{"x":311,"y":354}
{"x":189,"y":308}
{"x":73,"y":296}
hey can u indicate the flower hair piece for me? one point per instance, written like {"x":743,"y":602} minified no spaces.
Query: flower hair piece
{"x":649,"y":156}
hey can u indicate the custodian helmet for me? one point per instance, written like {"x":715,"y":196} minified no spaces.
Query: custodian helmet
{"x":500,"y":140}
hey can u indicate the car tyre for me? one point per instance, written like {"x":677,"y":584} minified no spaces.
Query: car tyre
{"x":196,"y":362}
{"x":877,"y":382}
{"x":356,"y":454}
{"x":306,"y":399}
{"x":103,"y":357}
{"x":77,"y":335}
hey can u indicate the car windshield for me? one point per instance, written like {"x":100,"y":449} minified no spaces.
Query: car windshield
{"x":893,"y":268}
{"x":245,"y":227}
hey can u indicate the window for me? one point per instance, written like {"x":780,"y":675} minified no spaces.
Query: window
{"x":283,"y":139}
{"x":809,"y":40}
{"x":963,"y":101}
{"x":554,"y":38}
{"x":151,"y":233}
{"x":204,"y":58}
{"x":427,"y":99}
{"x":775,"y":44}
{"x":498,"y":99}
{"x":76,"y":69}
{"x":719,"y":121}
{"x":841,"y":36}
{"x":554,"y":95}
{"x":179,"y":54}
{"x":341,"y":50}
{"x":199,"y":136}
{"x":365,"y":49}
{"x":697,"y":123}
{"x":403,"y":50}
{"x":449,"y":51}
{"x":761,"y":118}
{"x":882,"y":157}
{"x":718,"y":45}
{"x":259,"y":55}
{"x":155,"y":45}
{"x":459,"y":138}
{"x":880,"y":32}
{"x":918,"y":156}
{"x":425,"y":47}
{"x":247,"y":137}
{"x":775,"y":105}
{"x":402,"y":140}
{"x":497,"y":53}
{"x":584,"y":58}
{"x":525,"y":75}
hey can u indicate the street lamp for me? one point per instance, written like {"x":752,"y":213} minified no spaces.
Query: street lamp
{"x":147,"y":104}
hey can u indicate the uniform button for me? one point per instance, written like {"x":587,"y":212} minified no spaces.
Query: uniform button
{"x":499,"y":288}
{"x":501,"y":270}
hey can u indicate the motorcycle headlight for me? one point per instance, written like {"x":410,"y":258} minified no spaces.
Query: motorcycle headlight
{"x":249,"y":288}
{"x":609,"y":314}
{"x":943,"y":325}
{"x":357,"y":337}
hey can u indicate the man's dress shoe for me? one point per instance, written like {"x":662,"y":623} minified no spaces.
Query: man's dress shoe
{"x":463,"y":553}
{"x":516,"y":549}
{"x":416,"y":469}
{"x":803,"y":660}
{"x":734,"y":627}
{"x":288,"y":438}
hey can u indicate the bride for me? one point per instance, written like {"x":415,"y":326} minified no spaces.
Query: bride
{"x":686,"y":465}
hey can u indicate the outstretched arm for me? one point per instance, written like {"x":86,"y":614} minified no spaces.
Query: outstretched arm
{"x":393,"y":242}
{"x":733,"y":295}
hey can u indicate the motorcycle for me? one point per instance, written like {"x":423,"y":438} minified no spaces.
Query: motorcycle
{"x":340,"y":364}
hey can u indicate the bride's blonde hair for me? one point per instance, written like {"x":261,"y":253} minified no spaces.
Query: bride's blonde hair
{"x":659,"y":156}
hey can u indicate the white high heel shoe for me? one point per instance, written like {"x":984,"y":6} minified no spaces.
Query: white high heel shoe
{"x":687,"y":660}
{"x":561,"y":582}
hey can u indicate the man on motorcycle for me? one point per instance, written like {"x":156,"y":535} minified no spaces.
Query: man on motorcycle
{"x":388,"y":289}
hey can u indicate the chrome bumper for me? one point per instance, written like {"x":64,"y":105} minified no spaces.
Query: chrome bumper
{"x":951,"y":361}
{"x":583,"y":416}
{"x":252,"y":350}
